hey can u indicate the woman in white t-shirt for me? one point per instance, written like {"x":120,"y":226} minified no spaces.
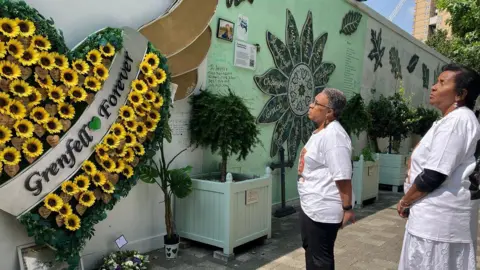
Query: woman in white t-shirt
{"x":324,"y":181}
{"x":442,"y":218}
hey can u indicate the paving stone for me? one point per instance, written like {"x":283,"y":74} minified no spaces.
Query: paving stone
{"x":210,"y":265}
{"x":244,"y":257}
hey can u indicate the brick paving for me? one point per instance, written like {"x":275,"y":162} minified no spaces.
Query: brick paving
{"x":373,"y":242}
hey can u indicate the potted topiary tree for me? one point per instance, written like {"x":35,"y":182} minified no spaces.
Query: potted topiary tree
{"x":172,"y":182}
{"x":356,"y":119}
{"x":223,"y":123}
{"x":424,"y":118}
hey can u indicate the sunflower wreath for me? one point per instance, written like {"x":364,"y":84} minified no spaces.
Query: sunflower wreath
{"x":44,"y":89}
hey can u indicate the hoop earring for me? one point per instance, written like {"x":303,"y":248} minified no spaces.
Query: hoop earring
{"x":455,"y":105}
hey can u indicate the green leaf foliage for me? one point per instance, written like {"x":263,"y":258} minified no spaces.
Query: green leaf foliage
{"x":355,"y":118}
{"x":424,"y":119}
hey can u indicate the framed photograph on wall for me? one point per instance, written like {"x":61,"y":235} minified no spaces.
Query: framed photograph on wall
{"x":40,"y":257}
{"x":225,"y":29}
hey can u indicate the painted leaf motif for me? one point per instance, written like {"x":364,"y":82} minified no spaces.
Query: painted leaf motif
{"x":377,"y":52}
{"x":436,"y":73}
{"x":318,"y":90}
{"x":323,"y":73}
{"x":294,"y":139}
{"x":307,"y":39}
{"x":350,"y":22}
{"x":273,"y":110}
{"x":307,"y":129}
{"x":413,"y":63}
{"x":317,"y":54}
{"x":292,"y":38}
{"x":281,"y":133}
{"x":425,"y":76}
{"x":272,"y":82}
{"x":395,"y":63}
{"x":280,"y":53}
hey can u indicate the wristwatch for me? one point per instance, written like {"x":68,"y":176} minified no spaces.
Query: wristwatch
{"x":347,"y":208}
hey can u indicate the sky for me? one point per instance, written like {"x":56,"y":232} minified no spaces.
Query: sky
{"x":404,"y":18}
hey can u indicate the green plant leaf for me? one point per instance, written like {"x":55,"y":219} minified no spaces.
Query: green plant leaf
{"x":147,"y":173}
{"x":180,"y":181}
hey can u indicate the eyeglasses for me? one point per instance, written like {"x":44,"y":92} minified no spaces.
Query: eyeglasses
{"x":321,"y":105}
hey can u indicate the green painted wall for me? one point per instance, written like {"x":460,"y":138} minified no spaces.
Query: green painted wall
{"x":346,"y":52}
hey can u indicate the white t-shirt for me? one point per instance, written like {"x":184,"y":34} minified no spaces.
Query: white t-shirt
{"x":325,"y":158}
{"x":448,"y":147}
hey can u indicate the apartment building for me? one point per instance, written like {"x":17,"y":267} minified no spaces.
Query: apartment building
{"x":427,"y":19}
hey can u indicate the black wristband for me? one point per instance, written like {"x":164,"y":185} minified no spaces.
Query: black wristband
{"x":347,"y":208}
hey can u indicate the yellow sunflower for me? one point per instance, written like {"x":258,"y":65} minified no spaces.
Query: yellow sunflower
{"x":82,"y":182}
{"x":56,"y":94}
{"x":81,"y":66}
{"x":53,"y":202}
{"x":29,"y":57}
{"x":87,"y":199}
{"x":92,"y":83}
{"x":139,"y":149}
{"x":111,"y":141}
{"x":139,"y":86}
{"x":99,"y":178}
{"x":9,"y":27}
{"x":10,"y":156}
{"x":5,"y":135}
{"x":24,"y":128}
{"x":119,"y":166}
{"x":77,"y":94}
{"x":4,"y":101}
{"x":150,"y":124}
{"x":108,"y":187}
{"x":3,"y":50}
{"x":46,"y":83}
{"x":41,"y":43}
{"x":34,"y":98}
{"x":158,"y":101}
{"x":16,"y":110}
{"x":27,"y":28}
{"x":149,"y":96}
{"x":15,"y":48}
{"x":135,"y":98}
{"x":72,"y":222}
{"x":100,"y":72}
{"x":107,"y":50}
{"x":140,"y":111}
{"x":94,"y":57}
{"x":154,"y":115}
{"x":69,"y":77}
{"x":152,"y":59}
{"x":146,"y":106}
{"x":151,"y":80}
{"x":141,"y":130}
{"x":46,"y":60}
{"x":118,"y":130}
{"x":53,"y":125}
{"x":130,"y":139}
{"x":146,"y":68}
{"x":60,"y":61}
{"x":127,"y":171}
{"x":131,"y":125}
{"x":129,"y":155}
{"x":9,"y":70}
{"x":89,"y":168}
{"x":32,"y":147}
{"x":108,"y":164}
{"x":20,"y":88}
{"x":69,"y":188}
{"x":66,"y":210}
{"x":39,"y":115}
{"x":161,"y":75}
{"x":102,"y":151}
{"x":66,"y":111}
{"x":127,"y":113}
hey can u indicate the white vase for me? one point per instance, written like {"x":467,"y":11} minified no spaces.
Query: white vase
{"x":171,"y":251}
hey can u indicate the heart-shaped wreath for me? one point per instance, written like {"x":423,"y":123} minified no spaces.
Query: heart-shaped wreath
{"x":45,"y":89}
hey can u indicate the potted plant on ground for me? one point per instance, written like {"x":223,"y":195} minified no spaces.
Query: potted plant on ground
{"x":172,"y":182}
{"x":365,"y":177}
{"x":223,"y":123}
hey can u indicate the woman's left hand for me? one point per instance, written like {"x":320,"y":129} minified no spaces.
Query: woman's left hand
{"x":401,"y":209}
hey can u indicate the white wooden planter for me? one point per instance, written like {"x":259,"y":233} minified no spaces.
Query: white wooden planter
{"x":393,"y":169}
{"x":226,"y":215}
{"x":365,"y":179}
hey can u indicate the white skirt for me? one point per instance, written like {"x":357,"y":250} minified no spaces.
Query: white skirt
{"x":424,"y":254}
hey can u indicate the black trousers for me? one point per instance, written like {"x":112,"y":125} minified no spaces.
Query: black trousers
{"x":318,"y":240}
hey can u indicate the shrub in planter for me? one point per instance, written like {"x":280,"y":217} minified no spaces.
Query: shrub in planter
{"x":223,"y":123}
{"x":424,"y":119}
{"x":125,"y":260}
{"x":355,"y":117}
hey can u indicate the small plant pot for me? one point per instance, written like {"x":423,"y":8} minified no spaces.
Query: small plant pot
{"x":171,"y":246}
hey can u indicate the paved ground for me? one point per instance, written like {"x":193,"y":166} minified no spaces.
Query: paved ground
{"x":373,"y":242}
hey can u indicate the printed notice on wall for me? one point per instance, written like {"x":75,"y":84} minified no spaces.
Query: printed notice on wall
{"x":245,"y":55}
{"x":350,"y":82}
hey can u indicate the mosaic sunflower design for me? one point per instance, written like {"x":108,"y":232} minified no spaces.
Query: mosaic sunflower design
{"x":298,"y":76}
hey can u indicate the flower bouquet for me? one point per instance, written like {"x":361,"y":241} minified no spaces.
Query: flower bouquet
{"x":125,"y":260}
